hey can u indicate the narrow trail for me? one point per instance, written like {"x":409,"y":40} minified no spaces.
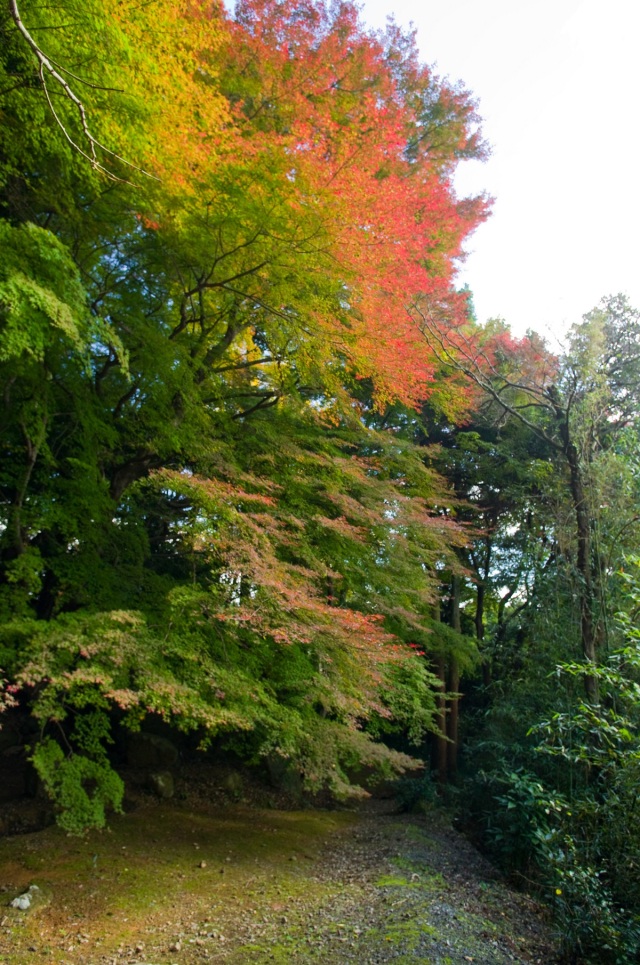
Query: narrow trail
{"x":170,"y":885}
{"x":401,"y":889}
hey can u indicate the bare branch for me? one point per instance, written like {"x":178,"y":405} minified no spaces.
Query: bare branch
{"x":462,"y":359}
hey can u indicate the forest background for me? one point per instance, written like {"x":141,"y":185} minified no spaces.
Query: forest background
{"x":263,"y":476}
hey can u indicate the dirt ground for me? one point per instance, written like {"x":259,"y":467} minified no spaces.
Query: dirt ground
{"x":195,"y":882}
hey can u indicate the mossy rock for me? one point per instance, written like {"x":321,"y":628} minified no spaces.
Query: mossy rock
{"x":162,"y":784}
{"x":233,"y":785}
{"x":151,"y":751}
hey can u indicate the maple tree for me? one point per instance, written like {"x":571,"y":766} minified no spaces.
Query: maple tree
{"x":211,"y":239}
{"x":349,"y":112}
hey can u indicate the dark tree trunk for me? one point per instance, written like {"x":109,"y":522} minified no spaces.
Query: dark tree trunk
{"x":479,"y":617}
{"x":453,"y":685}
{"x":440,"y":743}
{"x":585,"y":571}
{"x":479,"y":624}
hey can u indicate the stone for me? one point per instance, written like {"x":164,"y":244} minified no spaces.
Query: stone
{"x":24,"y":901}
{"x":161,"y":782}
{"x":151,"y":750}
{"x":233,"y":785}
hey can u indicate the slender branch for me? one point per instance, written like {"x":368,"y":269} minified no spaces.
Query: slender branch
{"x":205,"y":283}
{"x":65,"y":70}
{"x":264,"y":403}
{"x":286,"y":316}
{"x":467,"y":363}
{"x":122,"y":401}
{"x":245,"y":365}
{"x":46,"y":66}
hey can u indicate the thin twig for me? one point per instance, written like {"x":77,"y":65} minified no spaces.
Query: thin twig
{"x":46,"y":65}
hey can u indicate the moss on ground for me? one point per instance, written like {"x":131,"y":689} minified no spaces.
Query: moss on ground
{"x":166,"y":885}
{"x":129,"y":881}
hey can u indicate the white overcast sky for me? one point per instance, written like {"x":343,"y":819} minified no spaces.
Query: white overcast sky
{"x":558,"y":85}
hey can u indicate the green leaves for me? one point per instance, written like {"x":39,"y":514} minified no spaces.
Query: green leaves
{"x":84,"y":789}
{"x":41,"y":298}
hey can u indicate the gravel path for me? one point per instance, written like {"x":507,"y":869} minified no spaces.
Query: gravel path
{"x":402,"y":890}
{"x":329,"y":889}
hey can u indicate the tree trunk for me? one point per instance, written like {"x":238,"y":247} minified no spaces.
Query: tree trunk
{"x":585,"y":574}
{"x":440,"y":743}
{"x":479,"y":623}
{"x":453,"y":685}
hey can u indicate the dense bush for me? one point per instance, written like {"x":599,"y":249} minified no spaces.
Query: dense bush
{"x":568,"y":818}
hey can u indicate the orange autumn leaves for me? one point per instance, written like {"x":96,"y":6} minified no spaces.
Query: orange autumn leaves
{"x":343,"y":110}
{"x":311,"y":156}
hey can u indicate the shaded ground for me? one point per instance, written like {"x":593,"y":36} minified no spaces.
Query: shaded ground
{"x":174,"y":884}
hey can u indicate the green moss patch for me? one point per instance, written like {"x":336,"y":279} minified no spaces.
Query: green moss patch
{"x":119,"y":887}
{"x":168,"y":885}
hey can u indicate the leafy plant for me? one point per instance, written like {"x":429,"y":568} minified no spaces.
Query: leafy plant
{"x":81,"y":783}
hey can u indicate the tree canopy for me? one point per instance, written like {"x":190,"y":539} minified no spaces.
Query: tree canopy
{"x":212,"y":228}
